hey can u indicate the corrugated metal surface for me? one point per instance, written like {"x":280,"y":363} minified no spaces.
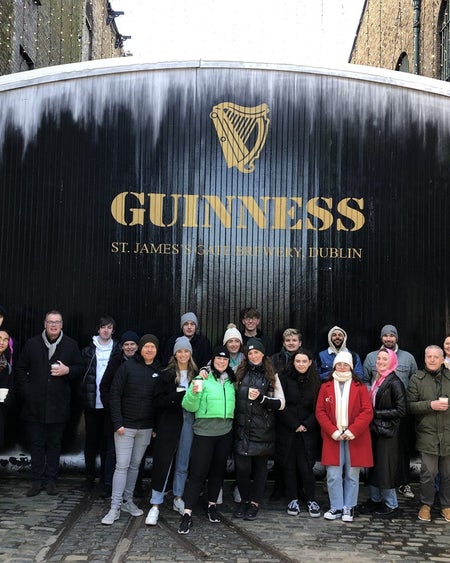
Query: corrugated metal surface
{"x":69,"y":147}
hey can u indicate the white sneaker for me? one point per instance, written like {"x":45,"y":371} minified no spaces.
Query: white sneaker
{"x":111,"y":517}
{"x":178,"y":505}
{"x":131,"y":508}
{"x":152,"y":516}
{"x":347,"y":514}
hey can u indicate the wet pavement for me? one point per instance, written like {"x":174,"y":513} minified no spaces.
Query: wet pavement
{"x":67,"y":527}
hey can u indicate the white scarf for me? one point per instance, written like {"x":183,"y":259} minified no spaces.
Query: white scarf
{"x":342,"y":398}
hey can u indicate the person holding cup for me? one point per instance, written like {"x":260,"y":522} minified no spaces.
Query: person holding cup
{"x":173,"y":429}
{"x":212,"y":400}
{"x":5,"y":381}
{"x":427,"y":399}
{"x":47,"y":366}
{"x":259,"y":394}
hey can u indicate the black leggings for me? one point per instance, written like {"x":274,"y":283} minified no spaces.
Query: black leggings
{"x":245,"y":466}
{"x":209,"y":456}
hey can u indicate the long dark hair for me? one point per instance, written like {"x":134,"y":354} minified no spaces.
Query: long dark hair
{"x":269,"y":372}
{"x":229,"y":371}
{"x":311,"y":375}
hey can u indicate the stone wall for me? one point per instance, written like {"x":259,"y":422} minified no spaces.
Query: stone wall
{"x":36,"y":34}
{"x":386,"y":32}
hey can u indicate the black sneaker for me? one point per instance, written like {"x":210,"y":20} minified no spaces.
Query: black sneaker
{"x":333,"y":514}
{"x":251,"y":512}
{"x":213,"y":515}
{"x":185,"y":524}
{"x":51,"y":488}
{"x":313,"y":509}
{"x":239,"y":511}
{"x":34,"y":490}
{"x":369,"y":507}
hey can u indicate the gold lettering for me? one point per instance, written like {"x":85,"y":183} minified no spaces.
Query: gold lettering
{"x":324,"y":215}
{"x":354,"y":215}
{"x":252,"y":207}
{"x":118,"y":209}
{"x":190,"y":210}
{"x":222,"y":212}
{"x":156,"y":209}
{"x":281,"y":212}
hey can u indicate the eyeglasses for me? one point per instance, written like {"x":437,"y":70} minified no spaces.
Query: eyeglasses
{"x":53,"y":322}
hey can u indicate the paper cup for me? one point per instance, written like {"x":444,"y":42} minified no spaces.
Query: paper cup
{"x":3,"y":394}
{"x":444,"y":400}
{"x":198,"y":385}
{"x":250,"y":389}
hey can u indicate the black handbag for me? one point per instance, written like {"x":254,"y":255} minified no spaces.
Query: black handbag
{"x":385,"y":428}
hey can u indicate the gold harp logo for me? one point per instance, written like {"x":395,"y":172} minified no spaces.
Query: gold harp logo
{"x":242,"y":132}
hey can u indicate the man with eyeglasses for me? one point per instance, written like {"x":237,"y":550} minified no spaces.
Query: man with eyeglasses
{"x":49,"y":362}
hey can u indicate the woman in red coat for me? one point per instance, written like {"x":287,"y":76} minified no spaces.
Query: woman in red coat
{"x":344,"y":412}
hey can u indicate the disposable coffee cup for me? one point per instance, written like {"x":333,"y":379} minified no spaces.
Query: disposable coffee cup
{"x":198,"y":385}
{"x":444,"y":400}
{"x":3,"y":394}
{"x":250,"y":389}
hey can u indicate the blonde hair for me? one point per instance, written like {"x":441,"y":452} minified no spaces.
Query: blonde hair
{"x":192,"y":369}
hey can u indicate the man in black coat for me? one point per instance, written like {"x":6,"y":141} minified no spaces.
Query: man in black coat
{"x":201,"y":346}
{"x":47,"y":365}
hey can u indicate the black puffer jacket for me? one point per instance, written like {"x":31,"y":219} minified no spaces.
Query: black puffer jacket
{"x":89,"y":382}
{"x":254,"y":420}
{"x":131,"y":396}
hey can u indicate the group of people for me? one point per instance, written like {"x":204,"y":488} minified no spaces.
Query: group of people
{"x":201,"y":407}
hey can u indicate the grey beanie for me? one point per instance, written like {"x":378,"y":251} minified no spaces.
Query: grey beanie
{"x":188,"y":317}
{"x":389,"y":329}
{"x":182,"y":343}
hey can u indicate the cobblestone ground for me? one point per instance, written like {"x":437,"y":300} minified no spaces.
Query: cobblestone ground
{"x":67,"y":528}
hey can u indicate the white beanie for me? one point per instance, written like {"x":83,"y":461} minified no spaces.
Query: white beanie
{"x":345,"y":357}
{"x":232,"y":332}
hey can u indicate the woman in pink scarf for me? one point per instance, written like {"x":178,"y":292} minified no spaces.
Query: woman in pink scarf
{"x":388,"y":396}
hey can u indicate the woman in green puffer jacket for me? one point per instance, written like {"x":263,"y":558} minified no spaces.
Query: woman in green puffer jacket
{"x":212,"y":401}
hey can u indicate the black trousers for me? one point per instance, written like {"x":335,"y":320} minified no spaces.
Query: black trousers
{"x":45,"y":443}
{"x":209,"y":456}
{"x":298,"y":463}
{"x":95,"y":440}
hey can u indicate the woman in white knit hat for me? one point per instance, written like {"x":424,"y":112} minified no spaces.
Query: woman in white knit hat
{"x":232,"y":339}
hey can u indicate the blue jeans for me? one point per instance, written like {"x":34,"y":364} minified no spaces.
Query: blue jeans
{"x":157,"y":497}
{"x":389,"y":496}
{"x":183,"y":454}
{"x":130,"y":449}
{"x":343,"y":492}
